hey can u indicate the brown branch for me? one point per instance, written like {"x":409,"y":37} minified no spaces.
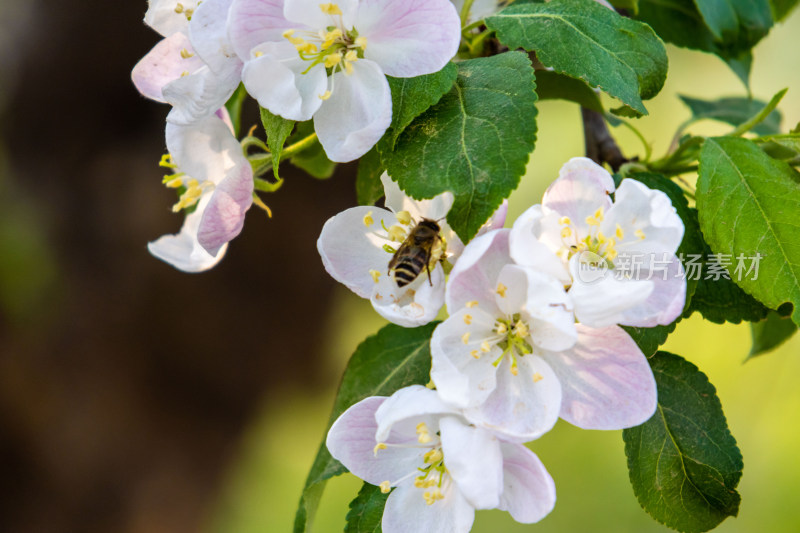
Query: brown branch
{"x":600,"y":145}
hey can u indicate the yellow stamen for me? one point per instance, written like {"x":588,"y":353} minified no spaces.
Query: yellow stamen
{"x":601,"y":238}
{"x":501,"y":329}
{"x":433,"y":456}
{"x":361,"y":42}
{"x":472,"y":303}
{"x":368,"y":220}
{"x":619,"y":233}
{"x":501,"y":290}
{"x":351,"y":55}
{"x":375,"y":275}
{"x":386,"y":487}
{"x":333,"y":60}
{"x":475,"y":354}
{"x":485,"y":346}
{"x":330,"y":9}
{"x":179,"y":8}
{"x":258,"y":53}
{"x":186,"y":54}
{"x":639,"y":233}
{"x":465,"y":338}
{"x":521,"y":329}
{"x":537,"y":377}
{"x":565,"y":221}
{"x":174,"y":183}
{"x":331,"y":37}
{"x":325,"y":95}
{"x":598,"y":215}
{"x":404,"y":217}
{"x":306,"y":47}
{"x":378,"y":447}
{"x":468,"y":319}
{"x":348,"y":67}
{"x":184,"y":73}
{"x":397,"y":233}
{"x":566,"y":232}
{"x":514,"y":369}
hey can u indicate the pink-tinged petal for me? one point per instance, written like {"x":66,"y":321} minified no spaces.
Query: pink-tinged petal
{"x":351,"y":441}
{"x":401,"y":413}
{"x":350,"y":249}
{"x":581,"y":189}
{"x":472,"y":456}
{"x":526,"y":249}
{"x":667,"y":299}
{"x":357,"y":114}
{"x":275,"y":76}
{"x":201,"y":93}
{"x":413,"y":305}
{"x":224,"y":217}
{"x":206,"y":150}
{"x":182,"y":250}
{"x":409,"y":38}
{"x":208,"y":31}
{"x":601,"y":295}
{"x":637,"y":208}
{"x":474,"y":277}
{"x":606,"y":381}
{"x":435,"y":208}
{"x":461,"y":378}
{"x":407,"y":512}
{"x":529,"y":492}
{"x":252,"y":22}
{"x":164,"y":64}
{"x":522,"y":407}
{"x":308,"y":12}
{"x":162,"y":17}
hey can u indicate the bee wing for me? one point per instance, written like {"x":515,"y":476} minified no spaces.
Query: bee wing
{"x":404,"y":249}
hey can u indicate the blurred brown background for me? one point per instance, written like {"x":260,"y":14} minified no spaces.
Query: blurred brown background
{"x":125,"y":384}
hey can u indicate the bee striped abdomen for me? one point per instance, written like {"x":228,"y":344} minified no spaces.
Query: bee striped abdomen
{"x":415,"y":254}
{"x":407,"y":269}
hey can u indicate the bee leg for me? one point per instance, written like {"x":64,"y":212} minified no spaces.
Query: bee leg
{"x":428,"y":270}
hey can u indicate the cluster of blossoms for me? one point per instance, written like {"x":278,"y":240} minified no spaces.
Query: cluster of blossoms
{"x":301,"y":60}
{"x":528,"y":340}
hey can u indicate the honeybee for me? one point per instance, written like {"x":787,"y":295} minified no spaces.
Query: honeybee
{"x":422,"y":244}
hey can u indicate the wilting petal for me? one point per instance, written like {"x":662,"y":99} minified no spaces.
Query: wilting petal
{"x":357,"y":114}
{"x":208,"y":31}
{"x":404,"y":409}
{"x":182,"y":250}
{"x":474,"y":277}
{"x":224,"y":217}
{"x":162,"y":17}
{"x":351,"y":441}
{"x":581,"y":189}
{"x":529,"y":492}
{"x":409,"y":38}
{"x":252,"y":22}
{"x":164,"y":64}
{"x":526,"y":249}
{"x":201,"y":93}
{"x":350,"y":248}
{"x":606,"y":381}
{"x":472,"y":456}
{"x":413,"y":305}
{"x":206,"y":150}
{"x":407,"y":512}
{"x":308,"y":12}
{"x":461,"y":378}
{"x":522,"y":407}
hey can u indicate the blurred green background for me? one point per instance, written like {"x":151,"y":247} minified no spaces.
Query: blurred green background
{"x":134,"y":398}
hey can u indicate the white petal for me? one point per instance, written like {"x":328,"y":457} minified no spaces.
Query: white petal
{"x":357,"y":114}
{"x":308,"y":12}
{"x":667,"y":299}
{"x":462,"y":379}
{"x":201,"y":93}
{"x":472,"y":456}
{"x":413,"y":305}
{"x":606,"y":381}
{"x":206,"y":150}
{"x":164,"y":64}
{"x":182,"y":250}
{"x":407,"y":512}
{"x":351,"y":441}
{"x":349,"y":249}
{"x":161,"y":16}
{"x":526,"y":249}
{"x":252,"y":22}
{"x":208,"y":31}
{"x":436,"y":208}
{"x":277,"y":79}
{"x":529,"y":492}
{"x":474,"y":277}
{"x":403,"y":410}
{"x":581,"y":189}
{"x":522,"y":407}
{"x":409,"y":38}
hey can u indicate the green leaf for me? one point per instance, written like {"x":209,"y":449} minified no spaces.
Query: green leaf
{"x":366,"y":510}
{"x":781,"y":146}
{"x":770,"y":333}
{"x":552,"y":85}
{"x":781,"y":8}
{"x":650,"y":339}
{"x":585,"y":40}
{"x":474,"y":142}
{"x":278,"y":130}
{"x":369,"y":188}
{"x":632,"y":5}
{"x":683,"y":463}
{"x":413,"y":96}
{"x":392,"y":359}
{"x":313,"y":159}
{"x":734,"y":111}
{"x":234,"y":108}
{"x":749,"y":205}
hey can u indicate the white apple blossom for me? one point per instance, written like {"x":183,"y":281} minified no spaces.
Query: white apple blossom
{"x":329,"y":61}
{"x":442,"y":468}
{"x":209,"y":164}
{"x":512,"y":357}
{"x":357,"y":244}
{"x":194,"y":68}
{"x":617,"y":258}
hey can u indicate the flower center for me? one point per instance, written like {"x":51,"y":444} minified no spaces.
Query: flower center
{"x":514,"y":336}
{"x":336,"y":47}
